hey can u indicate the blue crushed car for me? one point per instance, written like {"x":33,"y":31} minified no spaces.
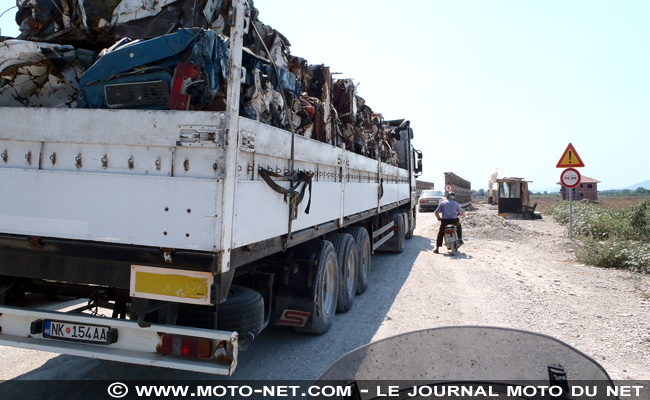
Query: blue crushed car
{"x":140,"y":73}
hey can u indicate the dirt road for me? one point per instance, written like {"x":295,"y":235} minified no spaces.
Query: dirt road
{"x":518,"y":274}
{"x":523,"y":274}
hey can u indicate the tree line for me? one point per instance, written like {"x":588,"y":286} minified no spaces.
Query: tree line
{"x":640,"y":191}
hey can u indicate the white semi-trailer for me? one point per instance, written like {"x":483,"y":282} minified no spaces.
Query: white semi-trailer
{"x":192,"y":230}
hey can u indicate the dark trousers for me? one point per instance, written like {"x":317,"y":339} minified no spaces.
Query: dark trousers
{"x":441,"y":232}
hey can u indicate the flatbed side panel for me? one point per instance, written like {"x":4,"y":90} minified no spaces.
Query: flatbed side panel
{"x":99,"y":126}
{"x":393,"y":171}
{"x":262,"y":213}
{"x":126,"y":209}
{"x":361,"y":184}
{"x":344,"y":183}
{"x":360,"y":197}
{"x":276,"y":142}
{"x":394,"y":193}
{"x":267,"y":140}
{"x":396,"y":185}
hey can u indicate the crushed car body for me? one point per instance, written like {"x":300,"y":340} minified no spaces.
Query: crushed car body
{"x":136,"y":74}
{"x":35,"y":74}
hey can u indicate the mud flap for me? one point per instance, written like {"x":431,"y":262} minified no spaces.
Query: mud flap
{"x":295,"y":300}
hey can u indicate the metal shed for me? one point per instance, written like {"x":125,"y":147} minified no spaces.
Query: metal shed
{"x":513,"y":194}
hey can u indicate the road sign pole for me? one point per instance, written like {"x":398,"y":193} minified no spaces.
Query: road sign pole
{"x":570,"y":178}
{"x":570,"y":213}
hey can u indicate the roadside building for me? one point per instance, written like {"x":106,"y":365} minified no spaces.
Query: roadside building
{"x":587,"y":189}
{"x":512,"y":194}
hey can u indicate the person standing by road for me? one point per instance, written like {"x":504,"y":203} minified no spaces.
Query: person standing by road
{"x":447,"y":213}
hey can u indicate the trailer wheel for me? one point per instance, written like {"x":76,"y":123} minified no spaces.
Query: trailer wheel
{"x":410,"y":219}
{"x":346,"y":256}
{"x":243,"y":311}
{"x":398,"y":218}
{"x":362,"y":239}
{"x":326,"y":290}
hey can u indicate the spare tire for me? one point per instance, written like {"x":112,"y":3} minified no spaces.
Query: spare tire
{"x":243,"y":311}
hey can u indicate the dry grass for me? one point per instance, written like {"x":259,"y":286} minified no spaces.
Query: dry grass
{"x":544,"y":203}
{"x":622,"y":202}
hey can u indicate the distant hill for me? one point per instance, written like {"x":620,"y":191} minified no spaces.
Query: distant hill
{"x":644,"y":184}
{"x":554,"y":189}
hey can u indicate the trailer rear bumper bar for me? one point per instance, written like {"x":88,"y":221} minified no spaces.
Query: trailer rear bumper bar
{"x":119,"y":340}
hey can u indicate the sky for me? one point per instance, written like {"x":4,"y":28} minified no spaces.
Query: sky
{"x":489,"y":84}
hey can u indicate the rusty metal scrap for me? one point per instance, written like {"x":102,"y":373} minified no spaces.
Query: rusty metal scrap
{"x":461,"y":187}
{"x":99,"y":24}
{"x":140,"y":74}
{"x":34,"y":74}
{"x":327,"y":110}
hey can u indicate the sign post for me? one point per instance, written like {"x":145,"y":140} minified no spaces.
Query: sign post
{"x":570,"y":214}
{"x":570,"y":178}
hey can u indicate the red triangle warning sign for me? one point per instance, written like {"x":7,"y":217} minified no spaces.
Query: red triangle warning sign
{"x":570,"y":158}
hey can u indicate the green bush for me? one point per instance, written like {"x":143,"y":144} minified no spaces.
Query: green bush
{"x":612,"y":238}
{"x":639,"y":217}
{"x":615,"y":254}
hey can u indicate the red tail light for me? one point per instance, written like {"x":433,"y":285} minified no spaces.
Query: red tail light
{"x":184,"y":74}
{"x":186,"y":347}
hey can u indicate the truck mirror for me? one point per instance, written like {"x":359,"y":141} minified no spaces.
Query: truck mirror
{"x":418,"y":168}
{"x":418,"y":164}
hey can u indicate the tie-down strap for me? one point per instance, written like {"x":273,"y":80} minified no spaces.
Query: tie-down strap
{"x":292,"y":193}
{"x":295,"y":197}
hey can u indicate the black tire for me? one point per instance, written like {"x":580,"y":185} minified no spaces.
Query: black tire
{"x":346,"y":258}
{"x":411,"y":224}
{"x":364,"y":246}
{"x":243,"y":311}
{"x":398,"y":219}
{"x":326,"y":289}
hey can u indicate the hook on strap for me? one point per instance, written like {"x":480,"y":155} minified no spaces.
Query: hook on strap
{"x":292,"y":195}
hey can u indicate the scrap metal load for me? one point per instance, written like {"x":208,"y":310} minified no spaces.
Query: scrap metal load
{"x":421,"y":185}
{"x":99,"y":23}
{"x":461,"y":187}
{"x":36,"y":74}
{"x":172,"y":54}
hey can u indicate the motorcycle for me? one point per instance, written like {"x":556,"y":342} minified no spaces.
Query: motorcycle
{"x":469,"y":361}
{"x":451,"y":239}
